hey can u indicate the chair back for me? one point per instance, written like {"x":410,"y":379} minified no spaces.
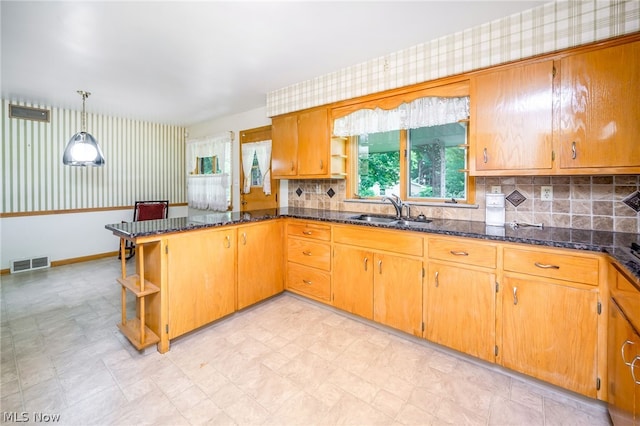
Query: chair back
{"x":148,"y":210}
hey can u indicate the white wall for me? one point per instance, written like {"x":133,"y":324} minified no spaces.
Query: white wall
{"x":63,"y":236}
{"x":243,"y":121}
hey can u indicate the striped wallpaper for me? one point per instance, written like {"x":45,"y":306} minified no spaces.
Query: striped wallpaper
{"x":144,"y":161}
{"x":547,"y":28}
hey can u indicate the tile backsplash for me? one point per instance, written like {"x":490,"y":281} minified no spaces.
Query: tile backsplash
{"x":581,"y":202}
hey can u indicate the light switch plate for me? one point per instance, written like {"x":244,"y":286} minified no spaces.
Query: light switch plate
{"x":496,"y":189}
{"x":546,"y":193}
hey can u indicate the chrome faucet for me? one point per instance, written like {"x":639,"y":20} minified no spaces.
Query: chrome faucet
{"x":397,"y":203}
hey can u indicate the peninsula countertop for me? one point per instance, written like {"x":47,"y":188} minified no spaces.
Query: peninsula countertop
{"x":616,"y":244}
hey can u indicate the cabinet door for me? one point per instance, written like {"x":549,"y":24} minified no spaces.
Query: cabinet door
{"x":397,"y":293}
{"x":459,"y":309}
{"x":201,"y":278}
{"x":284,"y":150}
{"x":260,"y":262}
{"x":600,"y":112}
{"x":550,"y":332}
{"x":353,"y":280}
{"x":513,"y":118}
{"x":313,"y":142}
{"x":623,"y":346}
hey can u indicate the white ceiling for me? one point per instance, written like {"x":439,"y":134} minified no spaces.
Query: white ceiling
{"x":187,"y":62}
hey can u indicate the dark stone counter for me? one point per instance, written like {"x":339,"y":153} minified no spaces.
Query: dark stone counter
{"x":615,"y":244}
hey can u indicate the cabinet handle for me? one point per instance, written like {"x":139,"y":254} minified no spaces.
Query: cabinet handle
{"x":628,"y":342}
{"x":515,"y":295}
{"x":321,"y":165}
{"x":459,"y":253}
{"x":244,"y":238}
{"x":485,"y":155}
{"x":437,"y":280}
{"x":292,"y":165}
{"x":633,"y":368}
{"x":546,"y":266}
{"x":307,"y":232}
{"x":366,"y":259}
{"x":574,"y":152}
{"x":306,"y":282}
{"x":380,"y":266}
{"x":228,"y":244}
{"x":306,"y":253}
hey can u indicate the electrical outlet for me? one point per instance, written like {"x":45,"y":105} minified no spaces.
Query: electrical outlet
{"x":546,"y":193}
{"x":496,"y":189}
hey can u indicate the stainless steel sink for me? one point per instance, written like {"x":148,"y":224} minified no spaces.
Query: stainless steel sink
{"x":389,"y":220}
{"x":374,"y":219}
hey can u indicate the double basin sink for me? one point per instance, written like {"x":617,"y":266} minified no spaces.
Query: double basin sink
{"x":390,"y":220}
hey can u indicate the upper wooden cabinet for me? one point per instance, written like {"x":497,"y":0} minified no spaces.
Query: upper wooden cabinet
{"x":599,"y":110}
{"x":303,"y":148}
{"x":511,"y":119}
{"x":568,"y":113}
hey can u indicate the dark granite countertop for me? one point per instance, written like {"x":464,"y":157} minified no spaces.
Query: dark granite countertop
{"x":615,"y":244}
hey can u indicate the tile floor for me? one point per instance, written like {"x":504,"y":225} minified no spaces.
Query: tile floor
{"x":287,"y":361}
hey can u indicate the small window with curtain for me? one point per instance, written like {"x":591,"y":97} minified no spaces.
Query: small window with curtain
{"x":417,"y":150}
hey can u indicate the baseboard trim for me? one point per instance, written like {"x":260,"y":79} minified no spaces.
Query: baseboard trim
{"x":72,"y":260}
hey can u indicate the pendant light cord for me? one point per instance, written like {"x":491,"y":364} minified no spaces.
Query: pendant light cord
{"x":84,"y":95}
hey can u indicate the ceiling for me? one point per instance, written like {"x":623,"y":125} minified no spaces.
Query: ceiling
{"x":187,"y":62}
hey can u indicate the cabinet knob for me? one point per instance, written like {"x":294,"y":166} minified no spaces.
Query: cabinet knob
{"x":380,"y":266}
{"x":485,"y":155}
{"x":244,"y":238}
{"x":228,"y":243}
{"x":515,"y":295}
{"x":574,"y":151}
{"x":366,"y":259}
{"x":307,"y":232}
{"x":437,"y":280}
{"x":306,"y":253}
{"x":321,"y":165}
{"x":307,"y":282}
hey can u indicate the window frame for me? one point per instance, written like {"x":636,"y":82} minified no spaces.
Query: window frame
{"x":390,"y":100}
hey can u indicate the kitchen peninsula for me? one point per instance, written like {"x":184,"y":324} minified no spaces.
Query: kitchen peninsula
{"x":209,"y":266}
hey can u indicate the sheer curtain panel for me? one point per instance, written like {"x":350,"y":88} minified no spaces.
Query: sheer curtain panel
{"x":209,"y":187}
{"x":262,"y":151}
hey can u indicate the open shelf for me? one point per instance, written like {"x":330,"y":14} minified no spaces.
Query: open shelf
{"x":132,"y":283}
{"x":131,"y":330}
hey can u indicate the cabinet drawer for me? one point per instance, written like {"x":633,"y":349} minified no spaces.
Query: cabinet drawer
{"x":559,"y":266}
{"x":379,"y":239}
{"x":309,"y":253}
{"x":315,"y":231}
{"x":309,"y":281}
{"x":463,"y":251}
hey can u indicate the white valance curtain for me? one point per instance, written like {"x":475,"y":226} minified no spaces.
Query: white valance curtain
{"x":422,"y":112}
{"x":209,"y":191}
{"x":262,"y":151}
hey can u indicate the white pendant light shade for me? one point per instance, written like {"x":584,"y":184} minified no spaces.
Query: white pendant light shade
{"x":83,"y":149}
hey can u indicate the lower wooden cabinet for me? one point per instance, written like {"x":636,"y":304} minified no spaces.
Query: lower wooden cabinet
{"x":397,"y":292}
{"x":460,"y":309}
{"x":260,"y":262}
{"x":353,"y":286}
{"x":308,"y":255}
{"x":550,"y":332}
{"x":201,"y":278}
{"x":623,"y":349}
